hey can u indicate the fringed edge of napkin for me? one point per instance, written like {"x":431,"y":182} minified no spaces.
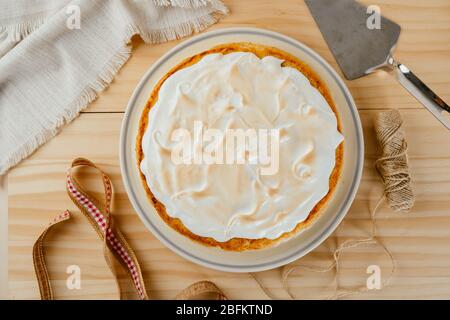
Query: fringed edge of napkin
{"x":12,"y":32}
{"x":16,"y":31}
{"x":184,"y":29}
{"x":106,"y":76}
{"x":183,"y":3}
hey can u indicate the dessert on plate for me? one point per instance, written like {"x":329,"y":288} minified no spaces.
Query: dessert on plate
{"x":240,"y":146}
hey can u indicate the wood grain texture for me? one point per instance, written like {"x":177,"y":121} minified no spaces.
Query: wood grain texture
{"x":419,"y":240}
{"x":424,"y":46}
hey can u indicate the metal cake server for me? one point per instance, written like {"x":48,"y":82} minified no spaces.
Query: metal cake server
{"x":360,"y":50}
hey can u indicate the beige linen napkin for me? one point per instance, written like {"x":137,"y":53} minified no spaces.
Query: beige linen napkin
{"x":56,"y":56}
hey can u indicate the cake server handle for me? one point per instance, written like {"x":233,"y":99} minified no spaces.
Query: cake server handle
{"x":421,"y":92}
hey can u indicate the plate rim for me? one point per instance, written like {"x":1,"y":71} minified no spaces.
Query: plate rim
{"x":342,"y":210}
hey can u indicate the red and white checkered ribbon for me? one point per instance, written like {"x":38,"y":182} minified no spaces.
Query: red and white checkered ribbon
{"x":99,"y":215}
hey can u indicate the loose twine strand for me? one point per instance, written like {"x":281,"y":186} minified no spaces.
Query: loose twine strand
{"x":393,"y":168}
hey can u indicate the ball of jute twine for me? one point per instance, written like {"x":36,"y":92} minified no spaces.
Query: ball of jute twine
{"x":393,"y":164}
{"x":394,"y":171}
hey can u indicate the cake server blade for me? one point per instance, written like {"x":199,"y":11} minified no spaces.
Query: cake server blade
{"x":357,"y":49}
{"x":360,"y":49}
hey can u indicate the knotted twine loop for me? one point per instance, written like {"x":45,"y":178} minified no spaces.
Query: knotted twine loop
{"x":394,"y":170}
{"x":99,"y":215}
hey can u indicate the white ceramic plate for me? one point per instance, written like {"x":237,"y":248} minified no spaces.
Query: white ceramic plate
{"x":287,"y":251}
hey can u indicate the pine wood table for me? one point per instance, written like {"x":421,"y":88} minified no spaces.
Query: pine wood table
{"x":419,"y":241}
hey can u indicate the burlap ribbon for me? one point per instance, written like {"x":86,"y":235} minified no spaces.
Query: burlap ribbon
{"x":115,"y":247}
